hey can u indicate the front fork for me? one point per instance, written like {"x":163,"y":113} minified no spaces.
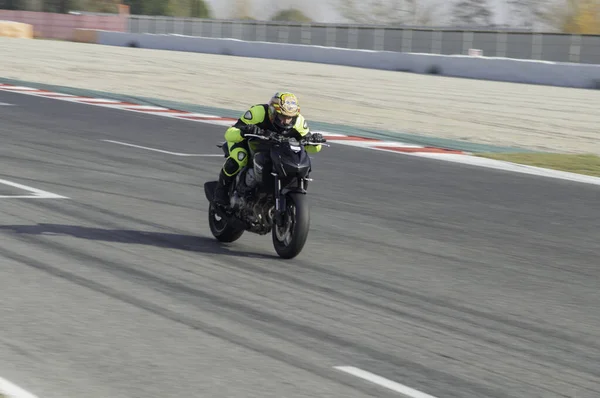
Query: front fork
{"x":280,"y":202}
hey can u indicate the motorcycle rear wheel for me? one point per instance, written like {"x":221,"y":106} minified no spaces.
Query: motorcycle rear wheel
{"x":221,"y":229}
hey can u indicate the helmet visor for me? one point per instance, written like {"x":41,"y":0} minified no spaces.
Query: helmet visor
{"x":284,"y":121}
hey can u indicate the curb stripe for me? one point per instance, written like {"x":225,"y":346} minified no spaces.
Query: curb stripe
{"x":355,"y":141}
{"x":352,"y":138}
{"x":421,"y":149}
{"x":192,"y":117}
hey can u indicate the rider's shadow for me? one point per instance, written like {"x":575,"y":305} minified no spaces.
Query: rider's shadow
{"x":193,"y":243}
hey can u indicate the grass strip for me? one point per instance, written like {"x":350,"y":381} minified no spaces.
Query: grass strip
{"x":588,"y":164}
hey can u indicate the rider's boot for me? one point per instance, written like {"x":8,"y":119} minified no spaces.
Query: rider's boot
{"x":221,"y":196}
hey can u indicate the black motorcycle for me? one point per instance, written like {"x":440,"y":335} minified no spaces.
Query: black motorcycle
{"x":267,"y":195}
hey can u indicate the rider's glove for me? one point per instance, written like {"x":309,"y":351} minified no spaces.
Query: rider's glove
{"x":317,"y":138}
{"x":251,"y":129}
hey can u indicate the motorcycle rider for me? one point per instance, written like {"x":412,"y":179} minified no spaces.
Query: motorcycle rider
{"x":281,"y":115}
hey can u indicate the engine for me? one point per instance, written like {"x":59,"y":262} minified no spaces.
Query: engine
{"x":256,"y":211}
{"x":261,"y":216}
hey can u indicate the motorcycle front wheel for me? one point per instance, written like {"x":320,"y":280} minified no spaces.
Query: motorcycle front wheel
{"x":290,"y":238}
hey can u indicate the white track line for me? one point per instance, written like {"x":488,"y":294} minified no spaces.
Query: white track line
{"x":87,"y":101}
{"x":160,"y":150}
{"x":225,"y":123}
{"x":51,"y":95}
{"x":18,"y":88}
{"x":37,"y":193}
{"x":24,"y":197}
{"x":13,"y":391}
{"x":392,"y":385}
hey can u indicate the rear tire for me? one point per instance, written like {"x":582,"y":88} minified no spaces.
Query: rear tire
{"x":290,"y":245}
{"x":221,"y":229}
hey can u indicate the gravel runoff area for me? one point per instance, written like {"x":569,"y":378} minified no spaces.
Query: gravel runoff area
{"x":507,"y":114}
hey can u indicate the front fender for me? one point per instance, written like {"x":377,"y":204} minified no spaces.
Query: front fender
{"x":285,"y":191}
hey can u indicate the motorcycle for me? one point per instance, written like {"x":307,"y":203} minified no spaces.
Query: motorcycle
{"x":268,"y":195}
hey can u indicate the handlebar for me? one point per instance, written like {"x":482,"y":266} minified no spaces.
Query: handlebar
{"x":274,"y":137}
{"x":262,"y":137}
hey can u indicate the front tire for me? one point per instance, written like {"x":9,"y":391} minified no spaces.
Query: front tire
{"x":221,"y":229}
{"x":289,"y":239}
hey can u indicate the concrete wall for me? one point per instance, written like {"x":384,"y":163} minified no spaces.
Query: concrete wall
{"x":500,"y":69}
{"x":494,"y":43}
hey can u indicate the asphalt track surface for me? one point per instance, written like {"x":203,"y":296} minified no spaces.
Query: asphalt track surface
{"x":450,"y":279}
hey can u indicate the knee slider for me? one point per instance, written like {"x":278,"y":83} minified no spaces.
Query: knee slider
{"x":231,"y":167}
